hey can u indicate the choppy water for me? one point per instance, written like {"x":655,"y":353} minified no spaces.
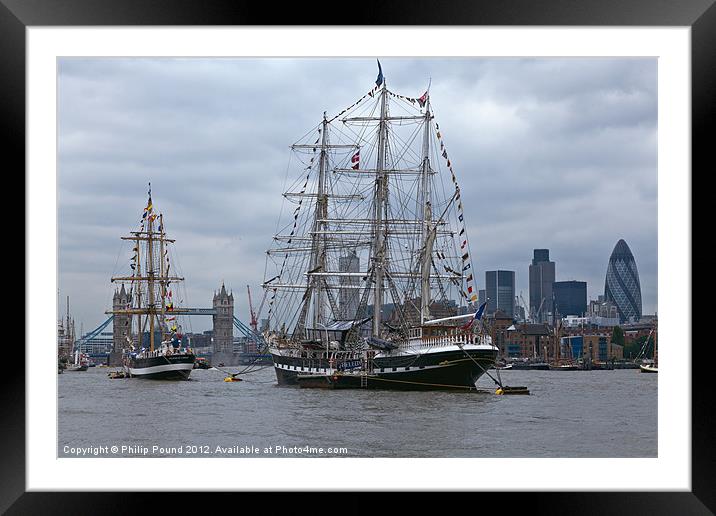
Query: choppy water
{"x":568,"y":414}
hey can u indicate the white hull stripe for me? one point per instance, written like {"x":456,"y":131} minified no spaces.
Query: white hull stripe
{"x":387,"y":370}
{"x":161,"y":368}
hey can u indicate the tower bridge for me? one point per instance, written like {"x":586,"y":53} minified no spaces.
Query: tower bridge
{"x":224,"y":323}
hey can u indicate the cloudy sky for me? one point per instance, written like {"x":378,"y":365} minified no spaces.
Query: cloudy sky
{"x":549,"y":153}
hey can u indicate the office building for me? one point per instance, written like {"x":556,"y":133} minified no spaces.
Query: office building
{"x":621,"y":285}
{"x":542,"y":276}
{"x":570,"y":297}
{"x":500,"y":291}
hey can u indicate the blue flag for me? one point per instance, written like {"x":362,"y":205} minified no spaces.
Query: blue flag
{"x":379,"y":80}
{"x":478,"y":314}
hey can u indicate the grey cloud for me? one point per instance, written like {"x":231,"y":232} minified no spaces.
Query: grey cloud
{"x":557,"y":153}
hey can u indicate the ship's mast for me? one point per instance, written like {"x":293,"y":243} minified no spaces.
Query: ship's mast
{"x":154,"y":271}
{"x":427,"y":235}
{"x":162,"y":273}
{"x":150,"y":280}
{"x":380,"y":205}
{"x":318,"y":260}
{"x":318,"y":242}
{"x":68,"y":314}
{"x":137,"y":285}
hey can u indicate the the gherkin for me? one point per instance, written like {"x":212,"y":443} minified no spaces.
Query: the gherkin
{"x":622,"y":283}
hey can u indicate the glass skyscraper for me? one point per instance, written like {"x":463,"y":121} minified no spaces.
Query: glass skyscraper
{"x":500,"y":290}
{"x":622,"y":283}
{"x":570,"y":297}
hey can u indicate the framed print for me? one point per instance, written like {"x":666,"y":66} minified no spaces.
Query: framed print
{"x":340,"y":234}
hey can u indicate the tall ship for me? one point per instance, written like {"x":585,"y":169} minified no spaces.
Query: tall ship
{"x":148,"y":322}
{"x":70,"y":358}
{"x":370,"y":276}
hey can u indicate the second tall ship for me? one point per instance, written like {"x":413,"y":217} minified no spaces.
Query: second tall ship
{"x":371,"y":281}
{"x":150,"y":308}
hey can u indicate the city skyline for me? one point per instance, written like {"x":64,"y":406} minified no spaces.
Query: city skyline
{"x":568,"y":164}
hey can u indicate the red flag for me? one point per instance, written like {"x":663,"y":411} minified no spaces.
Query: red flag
{"x":422,"y":101}
{"x":356,"y":160}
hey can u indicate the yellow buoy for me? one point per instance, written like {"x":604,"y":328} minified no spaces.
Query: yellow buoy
{"x":498,"y":391}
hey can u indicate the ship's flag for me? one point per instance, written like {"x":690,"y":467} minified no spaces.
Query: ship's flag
{"x":477,"y":316}
{"x":422,"y":100}
{"x":380,"y":79}
{"x":355,"y":159}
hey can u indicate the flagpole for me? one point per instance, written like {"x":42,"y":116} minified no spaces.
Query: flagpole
{"x":381,"y":193}
{"x":426,"y":235}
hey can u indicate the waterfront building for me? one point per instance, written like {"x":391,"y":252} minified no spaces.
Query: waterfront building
{"x":498,"y":324}
{"x":603,"y":308}
{"x":589,"y":321}
{"x":595,"y":346}
{"x":528,"y":340}
{"x":542,"y":276}
{"x":570,"y":297}
{"x":201,"y":343}
{"x":633,"y":331}
{"x":349,"y":291}
{"x":500,"y":291}
{"x":99,"y":345}
{"x":621,"y":285}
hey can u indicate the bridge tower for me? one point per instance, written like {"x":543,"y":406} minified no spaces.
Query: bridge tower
{"x":223,"y":327}
{"x":121,"y":326}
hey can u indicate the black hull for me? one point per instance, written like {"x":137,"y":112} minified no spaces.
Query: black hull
{"x":162,"y":367}
{"x":531,"y":367}
{"x":445,"y":370}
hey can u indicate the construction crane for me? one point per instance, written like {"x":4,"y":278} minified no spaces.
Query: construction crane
{"x":254,"y":322}
{"x":255,"y":315}
{"x":539,"y":310}
{"x":526,"y":307}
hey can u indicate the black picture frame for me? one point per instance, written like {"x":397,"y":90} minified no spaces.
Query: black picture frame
{"x":699,"y":15}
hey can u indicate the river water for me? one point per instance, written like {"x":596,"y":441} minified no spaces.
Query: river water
{"x":567,"y":414}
